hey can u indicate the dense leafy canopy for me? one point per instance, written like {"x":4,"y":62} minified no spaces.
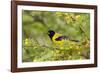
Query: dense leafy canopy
{"x":37,"y":46}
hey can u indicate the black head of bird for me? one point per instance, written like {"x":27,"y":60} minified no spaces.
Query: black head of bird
{"x":51,"y":33}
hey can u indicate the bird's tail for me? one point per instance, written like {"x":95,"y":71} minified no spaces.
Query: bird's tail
{"x":75,"y":40}
{"x":68,"y":38}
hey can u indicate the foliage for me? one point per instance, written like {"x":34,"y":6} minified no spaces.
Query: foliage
{"x":37,"y":46}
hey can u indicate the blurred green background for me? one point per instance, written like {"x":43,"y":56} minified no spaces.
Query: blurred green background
{"x":38,"y":47}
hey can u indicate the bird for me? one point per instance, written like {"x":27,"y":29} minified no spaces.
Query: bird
{"x":58,"y":38}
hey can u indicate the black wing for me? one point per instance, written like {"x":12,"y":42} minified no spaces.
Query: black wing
{"x":65,"y":38}
{"x":61,"y":37}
